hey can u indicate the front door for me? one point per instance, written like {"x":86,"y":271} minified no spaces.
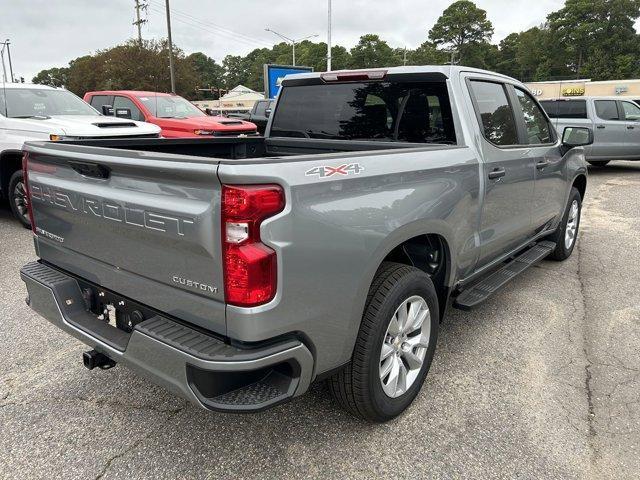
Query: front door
{"x":631,"y":113}
{"x":508,"y":171}
{"x":550,"y":184}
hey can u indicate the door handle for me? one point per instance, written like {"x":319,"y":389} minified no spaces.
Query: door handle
{"x":542,"y":164}
{"x":497,"y":173}
{"x":600,"y":127}
{"x":630,"y":127}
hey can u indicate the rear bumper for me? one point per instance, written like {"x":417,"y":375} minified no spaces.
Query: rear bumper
{"x":201,"y":368}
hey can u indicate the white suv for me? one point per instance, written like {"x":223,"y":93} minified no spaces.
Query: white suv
{"x":39,"y":112}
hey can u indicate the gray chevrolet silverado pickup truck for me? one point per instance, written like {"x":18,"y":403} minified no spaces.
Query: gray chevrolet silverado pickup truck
{"x":615,"y":122}
{"x":236,"y":272}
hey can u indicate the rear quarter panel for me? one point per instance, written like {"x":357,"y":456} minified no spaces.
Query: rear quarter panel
{"x":335,"y":232}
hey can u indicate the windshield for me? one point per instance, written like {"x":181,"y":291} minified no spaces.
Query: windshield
{"x":33,"y":102}
{"x":416,"y":112}
{"x":171,"y":107}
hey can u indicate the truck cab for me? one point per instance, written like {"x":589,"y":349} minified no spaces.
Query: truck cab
{"x":176,"y":116}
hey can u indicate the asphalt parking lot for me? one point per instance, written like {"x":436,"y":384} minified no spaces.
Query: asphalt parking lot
{"x":542,"y":381}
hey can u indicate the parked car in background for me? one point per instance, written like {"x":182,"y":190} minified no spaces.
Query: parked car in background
{"x":259,"y":114}
{"x":615,"y":122}
{"x":39,"y":112}
{"x":176,"y":116}
{"x":328,"y":249}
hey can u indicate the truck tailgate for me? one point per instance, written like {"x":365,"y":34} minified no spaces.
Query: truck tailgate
{"x":144,"y":225}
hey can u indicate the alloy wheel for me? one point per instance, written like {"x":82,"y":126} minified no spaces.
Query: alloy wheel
{"x":404,"y":346}
{"x":572,"y":225}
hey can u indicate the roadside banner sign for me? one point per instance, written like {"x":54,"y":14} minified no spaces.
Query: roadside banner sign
{"x":273,"y":75}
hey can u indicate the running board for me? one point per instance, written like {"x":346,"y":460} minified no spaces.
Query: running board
{"x":479,"y":292}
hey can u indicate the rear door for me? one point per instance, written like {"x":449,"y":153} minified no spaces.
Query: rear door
{"x":508,"y":170}
{"x":141,"y":224}
{"x":610,"y":133}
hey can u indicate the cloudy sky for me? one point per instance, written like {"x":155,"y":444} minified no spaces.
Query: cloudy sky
{"x":46,"y":33}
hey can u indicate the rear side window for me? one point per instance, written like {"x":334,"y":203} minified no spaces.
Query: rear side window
{"x":496,"y":115}
{"x":536,"y":124}
{"x":607,"y":109}
{"x":416,"y":112}
{"x":565,"y":108}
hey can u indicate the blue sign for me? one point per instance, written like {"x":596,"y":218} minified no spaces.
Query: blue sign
{"x":273,"y":75}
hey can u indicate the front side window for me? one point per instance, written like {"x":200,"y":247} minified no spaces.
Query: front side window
{"x":370,"y":111}
{"x":607,"y":109}
{"x":538,"y":130}
{"x":496,"y":114}
{"x":120,"y":102}
{"x":36,"y":102}
{"x":631,"y":111}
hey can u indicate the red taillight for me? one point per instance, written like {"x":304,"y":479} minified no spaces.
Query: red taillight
{"x":25,"y":180}
{"x":250,"y":267}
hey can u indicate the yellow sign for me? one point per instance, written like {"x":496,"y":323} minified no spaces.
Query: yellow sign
{"x":573,"y":91}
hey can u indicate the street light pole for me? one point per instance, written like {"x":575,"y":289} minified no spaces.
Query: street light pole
{"x":329,"y":39}
{"x":173,"y":79}
{"x":291,"y":40}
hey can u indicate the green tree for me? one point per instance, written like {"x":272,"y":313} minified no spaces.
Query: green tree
{"x":598,"y":36}
{"x":132,"y":66}
{"x":54,"y":77}
{"x":461,"y":25}
{"x":209,"y":73}
{"x":426,"y":54}
{"x":371,"y":51}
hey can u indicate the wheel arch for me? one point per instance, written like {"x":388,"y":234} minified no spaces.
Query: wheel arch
{"x":10,"y":162}
{"x":580,"y":183}
{"x":429,"y":252}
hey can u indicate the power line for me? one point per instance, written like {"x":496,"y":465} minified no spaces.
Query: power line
{"x":208,"y":30}
{"x":213,"y":27}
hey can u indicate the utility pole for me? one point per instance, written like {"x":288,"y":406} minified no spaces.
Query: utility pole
{"x":5,"y":46}
{"x":404,"y":59}
{"x":173,"y":79}
{"x":329,"y":38}
{"x":140,"y":5}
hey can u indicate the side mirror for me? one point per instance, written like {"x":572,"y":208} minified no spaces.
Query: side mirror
{"x":107,"y":110}
{"x":577,"y":137}
{"x":267,"y":112}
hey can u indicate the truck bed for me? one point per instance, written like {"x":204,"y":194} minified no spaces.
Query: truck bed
{"x":244,"y":147}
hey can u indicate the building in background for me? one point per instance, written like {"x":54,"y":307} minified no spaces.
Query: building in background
{"x":238,"y":100}
{"x":579,"y":88}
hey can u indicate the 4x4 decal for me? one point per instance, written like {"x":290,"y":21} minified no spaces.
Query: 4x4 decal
{"x":328,"y":171}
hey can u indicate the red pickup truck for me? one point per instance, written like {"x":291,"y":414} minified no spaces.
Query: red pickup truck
{"x":176,"y":116}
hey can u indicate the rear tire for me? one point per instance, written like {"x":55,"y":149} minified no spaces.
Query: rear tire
{"x":566,"y":235}
{"x":599,"y":163}
{"x":18,"y":199}
{"x":390,"y":341}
